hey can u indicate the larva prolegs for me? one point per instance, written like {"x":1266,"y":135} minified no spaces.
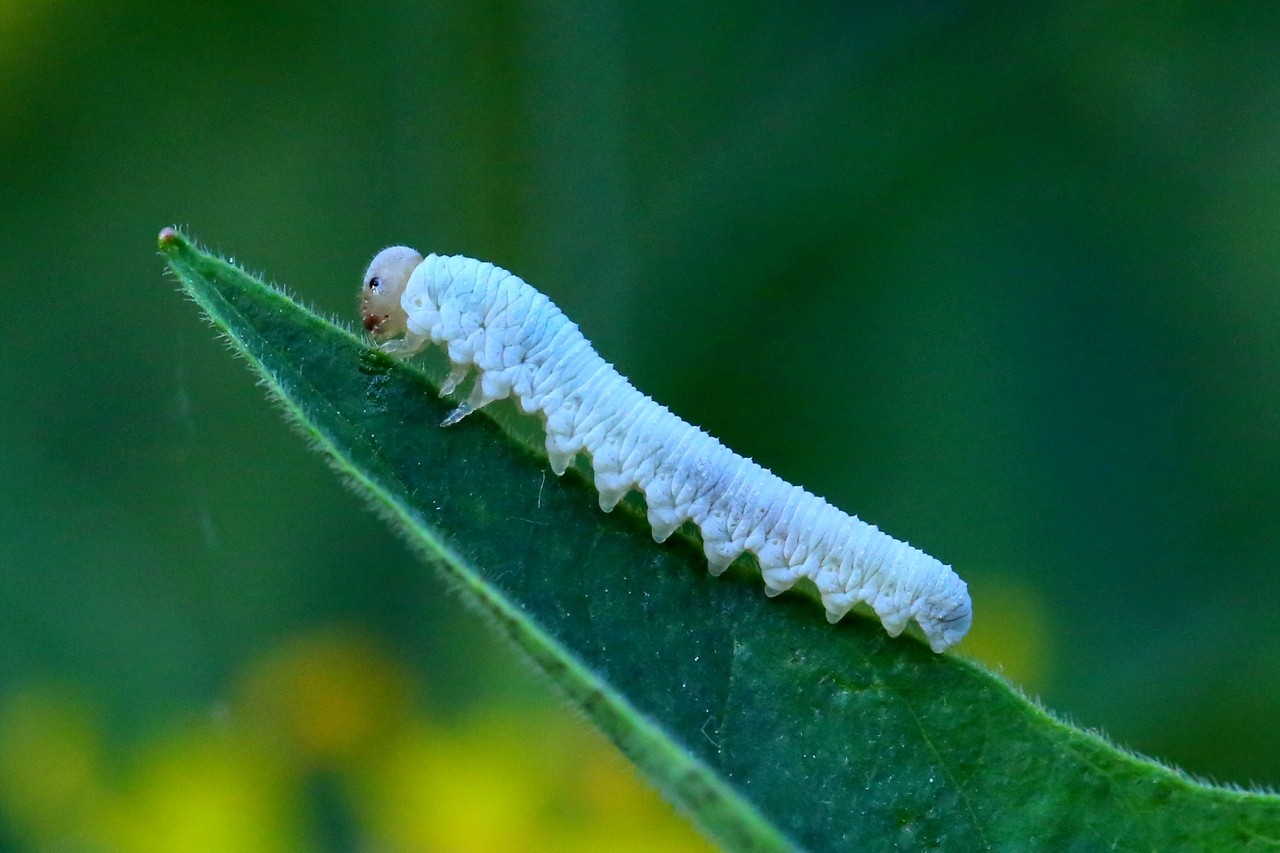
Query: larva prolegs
{"x":463,"y":409}
{"x":520,"y":344}
{"x":457,"y":375}
{"x":479,"y":397}
{"x":406,"y":347}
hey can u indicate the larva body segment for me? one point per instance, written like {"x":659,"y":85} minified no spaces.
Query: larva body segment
{"x":520,"y":344}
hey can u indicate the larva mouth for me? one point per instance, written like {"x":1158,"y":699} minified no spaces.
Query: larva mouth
{"x":373,"y":324}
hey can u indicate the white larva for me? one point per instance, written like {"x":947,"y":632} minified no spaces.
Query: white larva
{"x":521,"y":345}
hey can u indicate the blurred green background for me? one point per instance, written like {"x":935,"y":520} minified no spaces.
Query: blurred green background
{"x":1001,"y":278}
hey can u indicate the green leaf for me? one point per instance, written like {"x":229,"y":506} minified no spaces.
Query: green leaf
{"x":767,"y":726}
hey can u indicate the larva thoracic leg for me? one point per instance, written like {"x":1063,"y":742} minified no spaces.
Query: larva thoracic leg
{"x":519,"y":344}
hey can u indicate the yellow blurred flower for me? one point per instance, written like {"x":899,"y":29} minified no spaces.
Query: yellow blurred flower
{"x":203,"y":789}
{"x":514,"y":778}
{"x":50,"y":765}
{"x":325,"y":696}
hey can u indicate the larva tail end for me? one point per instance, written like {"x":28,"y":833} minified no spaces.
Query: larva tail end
{"x":949,"y":633}
{"x":938,"y":645}
{"x":381,"y":289}
{"x":948,"y":625}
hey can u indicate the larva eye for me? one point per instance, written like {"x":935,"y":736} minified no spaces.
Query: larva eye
{"x":375,"y":283}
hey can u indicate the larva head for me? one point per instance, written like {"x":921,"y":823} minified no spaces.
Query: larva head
{"x":380,"y":292}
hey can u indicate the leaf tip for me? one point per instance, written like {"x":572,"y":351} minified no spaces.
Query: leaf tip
{"x":170,"y":239}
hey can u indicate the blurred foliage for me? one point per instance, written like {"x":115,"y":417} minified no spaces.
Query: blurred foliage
{"x":323,"y":747}
{"x":998,"y":277}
